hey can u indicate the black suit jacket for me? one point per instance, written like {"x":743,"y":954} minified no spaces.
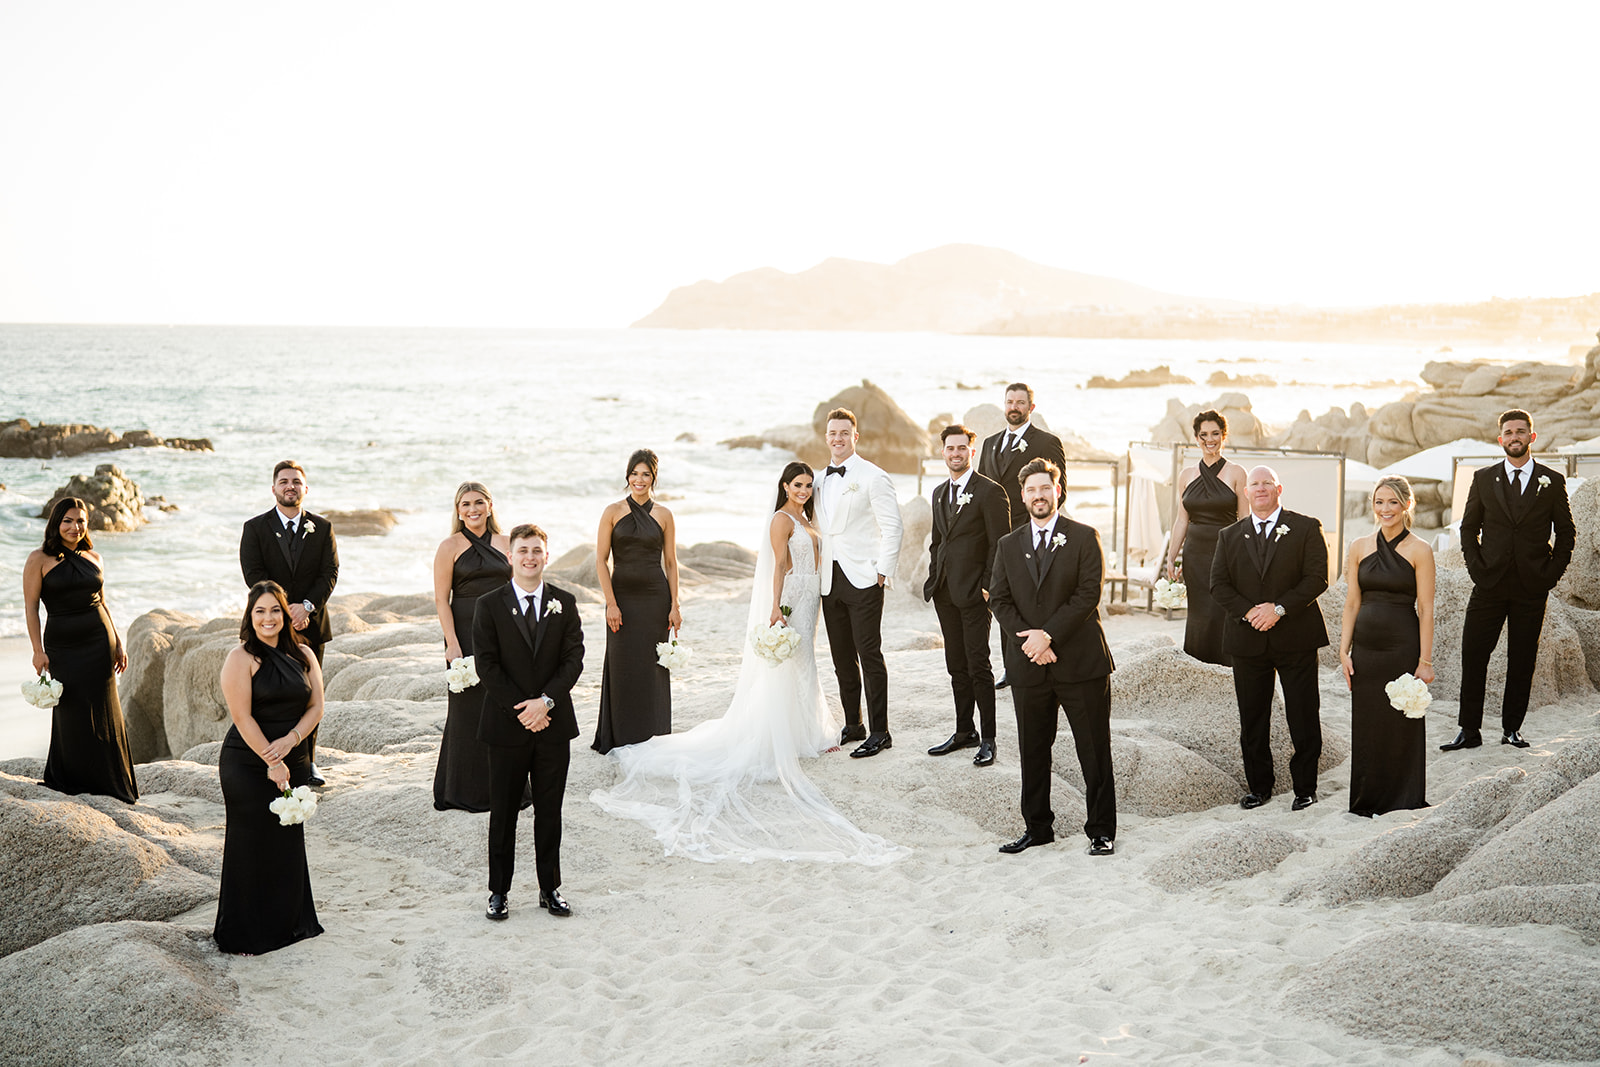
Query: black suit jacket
{"x":1292,"y":570}
{"x":1040,"y":444}
{"x":1498,"y":538}
{"x":1064,"y":601}
{"x":312,"y":578}
{"x":511,"y":669}
{"x":961,"y":554}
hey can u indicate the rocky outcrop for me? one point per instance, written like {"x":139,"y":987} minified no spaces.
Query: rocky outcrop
{"x":20,"y":439}
{"x":114,"y":500}
{"x":373,"y":522}
{"x":1580,"y":585}
{"x":1244,"y":429}
{"x":1139,"y":379}
{"x":148,"y":642}
{"x":889,"y":437}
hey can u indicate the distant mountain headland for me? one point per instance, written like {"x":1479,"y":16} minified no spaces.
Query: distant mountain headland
{"x":976,"y":290}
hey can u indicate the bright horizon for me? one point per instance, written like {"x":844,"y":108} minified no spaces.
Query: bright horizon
{"x":507,"y":165}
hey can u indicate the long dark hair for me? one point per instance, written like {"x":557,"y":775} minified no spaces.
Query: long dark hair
{"x":53,"y":545}
{"x":649,"y":459}
{"x":790,"y":473}
{"x":247,"y":633}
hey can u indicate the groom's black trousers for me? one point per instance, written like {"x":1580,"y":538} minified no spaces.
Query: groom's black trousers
{"x":854,"y":618}
{"x":545,"y":762}
{"x":966,"y":657}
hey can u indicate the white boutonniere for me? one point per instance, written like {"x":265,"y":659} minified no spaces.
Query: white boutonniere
{"x":554,"y":607}
{"x":963,"y":500}
{"x":1058,"y":540}
{"x":1020,"y":446}
{"x":311,"y":527}
{"x":852,"y":487}
{"x":1277,"y":534}
{"x":1544,"y":482}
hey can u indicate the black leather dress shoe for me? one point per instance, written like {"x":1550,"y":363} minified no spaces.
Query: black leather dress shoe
{"x":1464,"y":739}
{"x":985,"y":754}
{"x":1001,"y":682}
{"x":1023,"y":843}
{"x":498,"y":909}
{"x":1102,"y":846}
{"x":874,"y":744}
{"x":957,"y":740}
{"x":554,"y":903}
{"x":1514,"y":738}
{"x":316,"y":778}
{"x":1252,"y":800}
{"x":858,"y":732}
{"x":1302,"y":803}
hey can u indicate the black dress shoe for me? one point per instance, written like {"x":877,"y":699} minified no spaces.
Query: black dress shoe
{"x":1252,"y":800}
{"x":957,"y":740}
{"x":985,"y":754}
{"x":316,"y":778}
{"x":1514,"y":738}
{"x":554,"y":903}
{"x":1302,"y":803}
{"x":874,"y":744}
{"x":1023,"y":843}
{"x":1001,"y":682}
{"x":498,"y":909}
{"x":1102,"y":846}
{"x":1464,"y":739}
{"x":858,"y":732}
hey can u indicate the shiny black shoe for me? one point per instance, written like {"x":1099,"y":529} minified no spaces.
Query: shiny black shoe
{"x":874,"y":744}
{"x":1302,"y":803}
{"x":1514,"y":738}
{"x":1252,"y":800}
{"x":858,"y":732}
{"x":957,"y":740}
{"x":498,"y":908}
{"x":554,"y":903}
{"x":1102,"y":846}
{"x":316,"y":780}
{"x":1023,"y":843}
{"x":1464,"y":739}
{"x":985,"y":754}
{"x":1001,"y":682}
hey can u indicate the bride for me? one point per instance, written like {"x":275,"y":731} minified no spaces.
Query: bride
{"x":732,"y":788}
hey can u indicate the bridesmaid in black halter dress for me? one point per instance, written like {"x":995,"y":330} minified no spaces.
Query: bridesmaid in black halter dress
{"x":273,"y":687}
{"x":1387,"y":632}
{"x":80,"y":648}
{"x":641,"y":591}
{"x":471,"y":562}
{"x":1212,"y":496}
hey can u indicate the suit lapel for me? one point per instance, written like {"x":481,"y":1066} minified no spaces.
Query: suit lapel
{"x":544,"y":618}
{"x":273,"y":523}
{"x":518,"y":619}
{"x":1047,"y":554}
{"x":943,"y":515}
{"x":1270,"y":549}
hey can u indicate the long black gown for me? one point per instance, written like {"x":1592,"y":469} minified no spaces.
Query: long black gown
{"x":265,"y":902}
{"x":88,"y":738}
{"x":635,"y":691}
{"x":461,"y":779}
{"x":1387,"y":769}
{"x":1211,"y":504}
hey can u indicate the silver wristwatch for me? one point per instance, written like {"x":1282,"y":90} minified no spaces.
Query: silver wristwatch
{"x":549,"y":702}
{"x":1277,"y":609}
{"x":311,"y":609}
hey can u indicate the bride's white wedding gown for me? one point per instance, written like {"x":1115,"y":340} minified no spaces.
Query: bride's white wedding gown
{"x":732,"y":788}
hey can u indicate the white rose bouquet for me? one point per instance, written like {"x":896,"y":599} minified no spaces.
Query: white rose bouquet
{"x":774,"y":643}
{"x":462,"y":675}
{"x":295,"y":806}
{"x":1409,"y":694}
{"x":43,"y":692}
{"x":1170,"y":594}
{"x":673,"y":656}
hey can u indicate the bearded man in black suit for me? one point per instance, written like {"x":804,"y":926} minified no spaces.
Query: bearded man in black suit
{"x":970,"y":515}
{"x":1267,"y":573}
{"x":1045,"y":592}
{"x":1513,"y":509}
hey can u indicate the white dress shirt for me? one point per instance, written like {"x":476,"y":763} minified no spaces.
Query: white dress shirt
{"x":1526,"y":469}
{"x":531,"y":602}
{"x":833,"y":487}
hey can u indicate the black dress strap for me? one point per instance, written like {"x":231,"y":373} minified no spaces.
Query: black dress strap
{"x":641,"y":512}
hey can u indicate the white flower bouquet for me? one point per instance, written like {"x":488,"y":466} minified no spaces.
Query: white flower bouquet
{"x":1170,"y":594}
{"x":295,"y":806}
{"x":462,"y":675}
{"x":1409,"y":694}
{"x":43,"y":692}
{"x":774,"y":643}
{"x":673,"y":656}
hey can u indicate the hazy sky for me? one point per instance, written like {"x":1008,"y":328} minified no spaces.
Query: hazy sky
{"x":566,"y":164}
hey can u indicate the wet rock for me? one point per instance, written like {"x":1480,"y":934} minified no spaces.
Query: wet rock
{"x":114,"y":500}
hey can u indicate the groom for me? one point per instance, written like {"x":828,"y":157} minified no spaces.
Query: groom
{"x":859,"y":518}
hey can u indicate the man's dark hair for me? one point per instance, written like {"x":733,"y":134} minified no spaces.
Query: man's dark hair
{"x":956,"y":429}
{"x":1516,"y":413}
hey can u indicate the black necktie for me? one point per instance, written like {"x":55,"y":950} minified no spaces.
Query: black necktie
{"x":1005,"y":446}
{"x":531,"y":608}
{"x":1516,"y":482}
{"x":834,"y":470}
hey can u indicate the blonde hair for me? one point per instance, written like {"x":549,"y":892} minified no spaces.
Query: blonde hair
{"x":455,"y":509}
{"x":1402,"y":489}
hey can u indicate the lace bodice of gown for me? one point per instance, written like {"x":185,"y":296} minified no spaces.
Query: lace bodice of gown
{"x":802,"y":589}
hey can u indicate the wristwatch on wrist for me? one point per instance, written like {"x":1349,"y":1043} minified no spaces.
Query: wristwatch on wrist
{"x":1277,"y":609}
{"x":549,"y":704}
{"x":309,"y":606}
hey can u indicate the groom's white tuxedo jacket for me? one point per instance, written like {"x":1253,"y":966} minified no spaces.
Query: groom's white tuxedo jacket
{"x":859,"y":518}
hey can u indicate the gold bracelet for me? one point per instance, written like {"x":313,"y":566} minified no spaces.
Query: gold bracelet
{"x":1426,"y":662}
{"x":296,"y":731}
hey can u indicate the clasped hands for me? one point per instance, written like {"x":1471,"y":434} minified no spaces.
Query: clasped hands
{"x":1263,"y":616}
{"x":298,"y":616}
{"x":534,"y":713}
{"x":1036,"y":646}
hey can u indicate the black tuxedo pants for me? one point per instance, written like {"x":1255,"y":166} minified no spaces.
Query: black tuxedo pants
{"x":1522,"y":616}
{"x":966,"y":657}
{"x":854,"y":620}
{"x":1302,"y":703}
{"x":510,"y":769}
{"x":1088,"y":708}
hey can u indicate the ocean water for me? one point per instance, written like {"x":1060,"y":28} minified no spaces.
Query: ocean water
{"x":398,"y":418}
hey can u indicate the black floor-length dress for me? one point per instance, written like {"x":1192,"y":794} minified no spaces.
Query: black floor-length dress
{"x":265,"y":901}
{"x":635,"y":691}
{"x":88,"y":737}
{"x":1211,"y":504}
{"x":461,"y":780}
{"x":1387,"y":767}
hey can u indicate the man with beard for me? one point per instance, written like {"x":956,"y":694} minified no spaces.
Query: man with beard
{"x":1512,"y":510}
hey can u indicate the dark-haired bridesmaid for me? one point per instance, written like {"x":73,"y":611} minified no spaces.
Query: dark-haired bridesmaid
{"x":80,"y":648}
{"x":641,"y":589}
{"x":1211,"y":496}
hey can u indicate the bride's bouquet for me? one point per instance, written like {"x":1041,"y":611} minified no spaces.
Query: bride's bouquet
{"x":775,"y":643}
{"x":1409,"y":694}
{"x":462,"y":675}
{"x":296,"y":805}
{"x":673,"y":656}
{"x":1170,"y":594}
{"x":43,"y":692}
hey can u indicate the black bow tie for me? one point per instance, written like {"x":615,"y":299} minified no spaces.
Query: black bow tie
{"x":834,"y":470}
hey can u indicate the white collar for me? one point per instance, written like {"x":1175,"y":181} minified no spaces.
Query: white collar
{"x":1049,"y":528}
{"x":1020,"y":431}
{"x":1270,"y":520}
{"x":524,"y":594}
{"x":285,"y":520}
{"x":1526,"y":469}
{"x":847,"y":464}
{"x":959,"y":485}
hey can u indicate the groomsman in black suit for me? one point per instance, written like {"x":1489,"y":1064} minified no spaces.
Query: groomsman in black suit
{"x":295,"y":548}
{"x":1512,"y":510}
{"x":528,"y":644}
{"x":1267,"y":573}
{"x":970,"y":515}
{"x":1045,"y":591}
{"x":1004,"y":454}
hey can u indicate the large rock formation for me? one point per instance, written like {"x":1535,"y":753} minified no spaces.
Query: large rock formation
{"x":149,"y":639}
{"x":20,"y":439}
{"x":371,"y":522}
{"x":114,"y":500}
{"x":1139,"y":379}
{"x":889,"y":437}
{"x":1245,"y":430}
{"x":1580,"y":585}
